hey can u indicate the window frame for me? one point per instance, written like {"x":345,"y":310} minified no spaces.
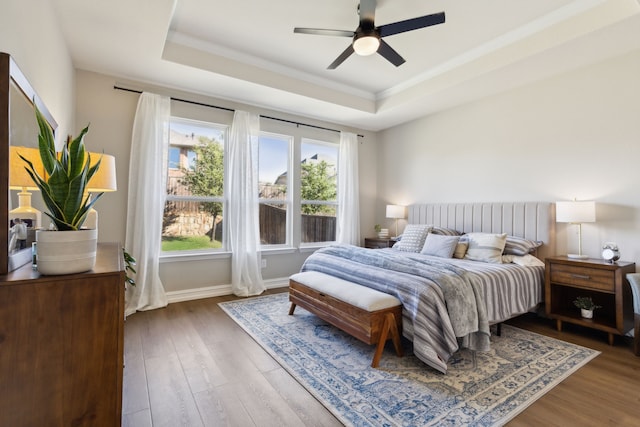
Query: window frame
{"x":290,"y":195}
{"x":314,"y":141}
{"x":223,"y":199}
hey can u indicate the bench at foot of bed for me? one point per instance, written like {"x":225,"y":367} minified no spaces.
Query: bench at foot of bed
{"x":364,"y":313}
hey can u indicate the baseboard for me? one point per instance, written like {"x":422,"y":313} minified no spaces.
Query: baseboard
{"x":217,"y":291}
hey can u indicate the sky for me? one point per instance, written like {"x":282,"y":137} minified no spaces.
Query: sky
{"x":273,"y":150}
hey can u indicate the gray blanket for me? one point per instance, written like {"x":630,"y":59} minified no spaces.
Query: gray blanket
{"x":442,"y":305}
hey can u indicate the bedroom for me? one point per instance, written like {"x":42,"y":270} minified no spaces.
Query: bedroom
{"x":573,"y":134}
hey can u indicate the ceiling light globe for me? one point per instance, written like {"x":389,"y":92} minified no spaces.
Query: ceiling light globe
{"x":367,"y":45}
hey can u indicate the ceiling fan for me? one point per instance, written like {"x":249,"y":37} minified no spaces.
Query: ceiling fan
{"x":367,"y":38}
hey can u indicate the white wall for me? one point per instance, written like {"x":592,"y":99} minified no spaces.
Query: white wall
{"x":110,"y":114}
{"x":571,"y":136}
{"x":30,"y":33}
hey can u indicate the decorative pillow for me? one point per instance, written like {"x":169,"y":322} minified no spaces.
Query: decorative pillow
{"x":461,"y":249}
{"x":443,"y":231}
{"x":440,"y":246}
{"x":413,"y":238}
{"x":486,"y":247}
{"x":519,"y":246}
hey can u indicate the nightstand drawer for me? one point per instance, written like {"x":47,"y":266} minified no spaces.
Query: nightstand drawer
{"x":592,"y":278}
{"x":375,"y":243}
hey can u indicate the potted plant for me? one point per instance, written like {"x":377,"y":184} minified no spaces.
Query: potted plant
{"x":586,"y":306}
{"x":383,"y":233}
{"x":67,"y":248}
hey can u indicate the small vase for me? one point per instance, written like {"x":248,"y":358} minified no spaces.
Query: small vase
{"x":587,"y":314}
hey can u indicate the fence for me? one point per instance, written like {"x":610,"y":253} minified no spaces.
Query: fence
{"x":273,"y":225}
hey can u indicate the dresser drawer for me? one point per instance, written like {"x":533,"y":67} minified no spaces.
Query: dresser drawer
{"x":593,"y":278}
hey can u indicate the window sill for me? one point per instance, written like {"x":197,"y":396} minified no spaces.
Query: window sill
{"x":312,"y":247}
{"x":278,"y":250}
{"x":198,"y":256}
{"x":192,"y":256}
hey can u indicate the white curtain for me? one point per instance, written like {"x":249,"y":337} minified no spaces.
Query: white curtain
{"x":348,"y":227}
{"x":147,"y":190}
{"x":243,"y":208}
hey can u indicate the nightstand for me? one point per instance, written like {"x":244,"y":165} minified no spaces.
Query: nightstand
{"x":376,"y":243}
{"x":567,"y":278}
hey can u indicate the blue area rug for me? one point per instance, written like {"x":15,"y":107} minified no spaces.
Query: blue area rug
{"x":481,"y":389}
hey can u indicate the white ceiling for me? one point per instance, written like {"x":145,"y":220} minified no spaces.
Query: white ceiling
{"x":246,"y":51}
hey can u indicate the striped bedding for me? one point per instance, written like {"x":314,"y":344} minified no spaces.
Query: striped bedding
{"x":447,"y":303}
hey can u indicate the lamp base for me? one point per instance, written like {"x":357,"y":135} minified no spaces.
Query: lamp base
{"x":577,"y":256}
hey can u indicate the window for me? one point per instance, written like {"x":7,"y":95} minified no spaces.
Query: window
{"x":275,"y":199}
{"x":319,"y":191}
{"x":194,"y":209}
{"x":174,"y":157}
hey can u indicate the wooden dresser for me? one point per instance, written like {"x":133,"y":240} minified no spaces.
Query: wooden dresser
{"x":61,"y":345}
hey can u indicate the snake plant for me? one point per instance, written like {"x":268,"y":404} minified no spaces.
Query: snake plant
{"x":63,"y":187}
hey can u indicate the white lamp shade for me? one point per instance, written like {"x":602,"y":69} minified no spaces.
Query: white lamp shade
{"x":105,"y":177}
{"x":395,"y":211}
{"x":576,"y":212}
{"x":18,"y":176}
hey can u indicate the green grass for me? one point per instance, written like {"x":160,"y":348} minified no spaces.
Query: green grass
{"x":188,"y":243}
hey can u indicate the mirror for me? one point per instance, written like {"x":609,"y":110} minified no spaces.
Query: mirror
{"x":18,"y":128}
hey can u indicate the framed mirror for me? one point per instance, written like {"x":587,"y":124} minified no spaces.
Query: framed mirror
{"x":18,"y":134}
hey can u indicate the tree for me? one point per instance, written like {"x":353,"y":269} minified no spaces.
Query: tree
{"x":206,"y":176}
{"x":317,"y":185}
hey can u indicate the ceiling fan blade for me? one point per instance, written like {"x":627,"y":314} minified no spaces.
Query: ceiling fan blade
{"x":340,"y":59}
{"x":367,"y":10}
{"x":390,"y":54}
{"x":411,"y":24}
{"x":324,"y":32}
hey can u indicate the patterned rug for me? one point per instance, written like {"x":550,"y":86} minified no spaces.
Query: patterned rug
{"x":485,"y":389}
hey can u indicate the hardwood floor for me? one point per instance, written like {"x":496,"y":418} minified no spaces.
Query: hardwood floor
{"x":191,"y":365}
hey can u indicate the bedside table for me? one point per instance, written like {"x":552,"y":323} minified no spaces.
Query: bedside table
{"x":376,"y":243}
{"x":605,"y":283}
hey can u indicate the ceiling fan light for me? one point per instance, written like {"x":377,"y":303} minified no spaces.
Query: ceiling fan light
{"x":367,"y":45}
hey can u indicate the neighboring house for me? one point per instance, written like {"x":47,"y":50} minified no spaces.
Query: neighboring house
{"x":181,"y":156}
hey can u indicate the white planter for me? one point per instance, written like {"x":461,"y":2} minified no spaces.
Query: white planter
{"x":587,"y":314}
{"x":66,"y":252}
{"x":384,"y":233}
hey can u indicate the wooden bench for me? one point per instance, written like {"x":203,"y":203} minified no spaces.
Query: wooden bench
{"x":366,"y":314}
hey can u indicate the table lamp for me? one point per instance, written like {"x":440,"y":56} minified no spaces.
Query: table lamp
{"x":576,"y":212}
{"x":19,"y":179}
{"x":396,"y":212}
{"x":104,"y":180}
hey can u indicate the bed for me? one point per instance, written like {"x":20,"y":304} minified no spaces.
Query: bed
{"x":450,"y":302}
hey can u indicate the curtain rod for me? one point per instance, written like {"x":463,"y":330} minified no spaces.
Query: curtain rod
{"x":232,"y":110}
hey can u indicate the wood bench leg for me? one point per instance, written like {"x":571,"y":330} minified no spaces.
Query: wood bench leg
{"x":389,"y":326}
{"x":293,"y":307}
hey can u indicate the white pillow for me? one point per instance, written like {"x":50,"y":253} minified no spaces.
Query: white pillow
{"x":439,"y":245}
{"x":413,"y":238}
{"x":485,"y":247}
{"x":525,"y":260}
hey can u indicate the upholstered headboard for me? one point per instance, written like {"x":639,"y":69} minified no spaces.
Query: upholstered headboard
{"x":530,"y":220}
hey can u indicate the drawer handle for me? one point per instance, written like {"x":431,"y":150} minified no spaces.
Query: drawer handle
{"x":581,"y":276}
